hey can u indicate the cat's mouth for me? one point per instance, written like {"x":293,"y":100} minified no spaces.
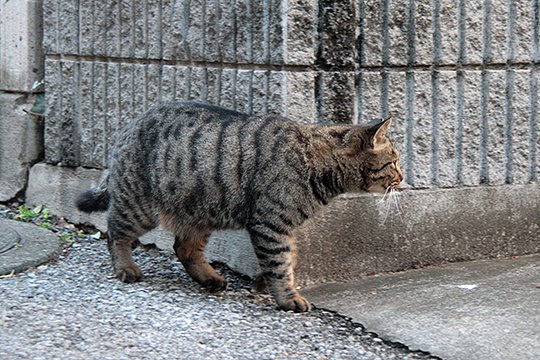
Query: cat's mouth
{"x":384,"y":188}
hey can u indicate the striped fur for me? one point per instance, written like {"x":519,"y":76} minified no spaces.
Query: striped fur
{"x":196,"y":168}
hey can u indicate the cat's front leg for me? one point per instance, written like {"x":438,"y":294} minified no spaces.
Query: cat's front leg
{"x":276,"y":254}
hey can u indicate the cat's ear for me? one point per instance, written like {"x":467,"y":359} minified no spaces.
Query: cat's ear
{"x":378,"y":132}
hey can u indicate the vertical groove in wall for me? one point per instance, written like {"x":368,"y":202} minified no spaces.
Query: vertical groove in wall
{"x":86,"y":113}
{"x":145,"y":86}
{"x":52,"y":97}
{"x":106,"y":113}
{"x":486,"y":58}
{"x":160,"y":31}
{"x":533,"y":94}
{"x":318,"y":86}
{"x":219,"y":87}
{"x":112,"y":104}
{"x":185,"y":29}
{"x":284,"y":23}
{"x":76,"y":30}
{"x":203,"y":33}
{"x":65,"y":122}
{"x":99,"y":138}
{"x":509,"y":91}
{"x":144,"y":33}
{"x":535,"y":30}
{"x":358,"y":83}
{"x":533,"y":129}
{"x":359,"y":62}
{"x":148,"y":31}
{"x":435,"y":92}
{"x":188,"y":75}
{"x":486,"y":32}
{"x":59,"y":45}
{"x":462,"y":33}
{"x":484,"y":173}
{"x":386,"y":33}
{"x":410,"y":93}
{"x":508,"y":124}
{"x":511,"y":33}
{"x":384,"y":93}
{"x":460,"y":90}
{"x":114,"y":48}
{"x":411,"y":35}
{"x":248,"y":29}
{"x":409,"y":130}
{"x":71,"y":111}
{"x":266,"y":31}
{"x":437,"y":40}
{"x":385,"y":58}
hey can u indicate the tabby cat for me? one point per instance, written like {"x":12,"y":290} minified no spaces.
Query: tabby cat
{"x":195,"y":168}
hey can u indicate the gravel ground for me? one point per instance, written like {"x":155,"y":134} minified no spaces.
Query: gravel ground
{"x":73,"y":308}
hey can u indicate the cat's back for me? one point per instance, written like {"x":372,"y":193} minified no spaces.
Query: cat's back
{"x":181,"y":114}
{"x":185,"y":137}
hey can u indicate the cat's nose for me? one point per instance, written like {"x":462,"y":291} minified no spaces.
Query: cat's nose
{"x":398,"y":179}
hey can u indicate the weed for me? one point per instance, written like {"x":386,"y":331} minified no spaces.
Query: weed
{"x":42,"y":217}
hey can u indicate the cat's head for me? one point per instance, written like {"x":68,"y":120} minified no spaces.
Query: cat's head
{"x":375,"y":159}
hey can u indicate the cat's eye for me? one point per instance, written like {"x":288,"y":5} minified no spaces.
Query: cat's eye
{"x":381,"y":168}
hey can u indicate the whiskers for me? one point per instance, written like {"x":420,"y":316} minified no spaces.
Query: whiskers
{"x":390,"y":204}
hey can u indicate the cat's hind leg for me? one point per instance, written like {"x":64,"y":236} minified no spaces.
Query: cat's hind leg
{"x":189,"y":248}
{"x":123,"y":232}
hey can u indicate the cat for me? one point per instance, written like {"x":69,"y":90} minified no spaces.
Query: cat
{"x":195,"y":168}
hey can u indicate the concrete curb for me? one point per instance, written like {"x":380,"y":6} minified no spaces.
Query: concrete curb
{"x":356,"y":235}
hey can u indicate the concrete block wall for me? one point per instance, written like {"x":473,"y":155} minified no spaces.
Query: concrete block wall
{"x":460,"y":78}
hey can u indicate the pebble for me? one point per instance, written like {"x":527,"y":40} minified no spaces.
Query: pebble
{"x":73,"y":308}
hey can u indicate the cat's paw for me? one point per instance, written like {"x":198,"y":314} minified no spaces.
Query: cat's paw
{"x":215,"y":284}
{"x":297,"y":304}
{"x":129,"y":273}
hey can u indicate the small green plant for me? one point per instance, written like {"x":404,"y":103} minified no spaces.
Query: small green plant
{"x":68,"y":236}
{"x":42,"y":217}
{"x":26,"y":214}
{"x":39,"y":215}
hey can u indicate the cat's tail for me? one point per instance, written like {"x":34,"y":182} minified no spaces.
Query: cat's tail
{"x":94,"y":199}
